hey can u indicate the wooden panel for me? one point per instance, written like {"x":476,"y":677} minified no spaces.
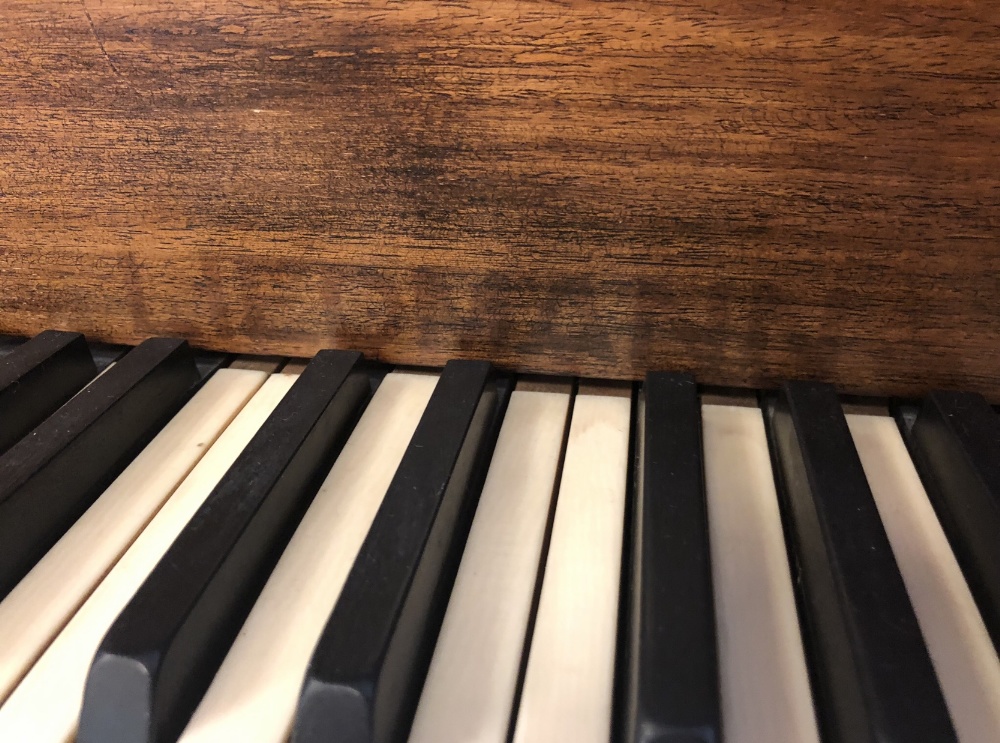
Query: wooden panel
{"x":743,"y":190}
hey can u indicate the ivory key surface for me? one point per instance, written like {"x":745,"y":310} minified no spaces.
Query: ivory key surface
{"x":472,"y":680}
{"x":765,"y":684}
{"x":567,"y":693}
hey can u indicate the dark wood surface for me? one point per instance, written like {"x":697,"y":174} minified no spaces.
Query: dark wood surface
{"x":744,"y":190}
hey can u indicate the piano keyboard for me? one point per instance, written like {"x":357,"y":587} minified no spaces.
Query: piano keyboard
{"x":203,"y":549}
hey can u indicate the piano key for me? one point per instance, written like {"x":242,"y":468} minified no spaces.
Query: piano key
{"x":49,"y":478}
{"x":45,"y":706}
{"x":763,"y":675}
{"x":162,"y":651}
{"x":209,"y":362}
{"x":106,"y":354}
{"x":489,"y":610}
{"x":567,"y":692}
{"x":42,"y":603}
{"x":874,"y":680}
{"x":38,"y":377}
{"x":364,"y":676}
{"x":8,"y":343}
{"x":253,"y":696}
{"x":672,"y":685}
{"x":955,"y":441}
{"x":959,"y":645}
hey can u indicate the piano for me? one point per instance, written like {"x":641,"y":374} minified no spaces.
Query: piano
{"x":507,"y":372}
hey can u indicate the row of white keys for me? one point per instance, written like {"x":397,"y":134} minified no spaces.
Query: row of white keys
{"x":253,"y":696}
{"x":41,"y":604}
{"x":45,"y":706}
{"x":567,"y":692}
{"x":765,"y":689}
{"x":472,"y":680}
{"x":960,"y":648}
{"x":763,"y":672}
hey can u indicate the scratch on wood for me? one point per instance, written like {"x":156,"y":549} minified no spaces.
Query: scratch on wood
{"x":100,"y":44}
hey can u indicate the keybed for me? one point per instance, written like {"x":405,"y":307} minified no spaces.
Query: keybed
{"x":330,"y":550}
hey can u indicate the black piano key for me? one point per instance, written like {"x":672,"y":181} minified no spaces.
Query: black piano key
{"x":162,"y":651}
{"x":52,"y":475}
{"x":105,"y":354}
{"x":37,"y":377}
{"x":955,"y":443}
{"x":8,"y":343}
{"x":672,"y":687}
{"x":365,"y":675}
{"x":873,"y":681}
{"x":208,"y":362}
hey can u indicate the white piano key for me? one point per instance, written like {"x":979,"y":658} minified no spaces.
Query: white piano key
{"x":472,"y":680}
{"x":41,"y":604}
{"x":253,"y":696}
{"x":763,"y":676}
{"x":45,"y":706}
{"x":959,"y":645}
{"x":567,"y":691}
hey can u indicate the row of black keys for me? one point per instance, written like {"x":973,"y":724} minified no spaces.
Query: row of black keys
{"x":872,"y":677}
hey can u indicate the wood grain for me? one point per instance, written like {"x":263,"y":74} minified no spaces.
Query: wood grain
{"x":744,"y":190}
